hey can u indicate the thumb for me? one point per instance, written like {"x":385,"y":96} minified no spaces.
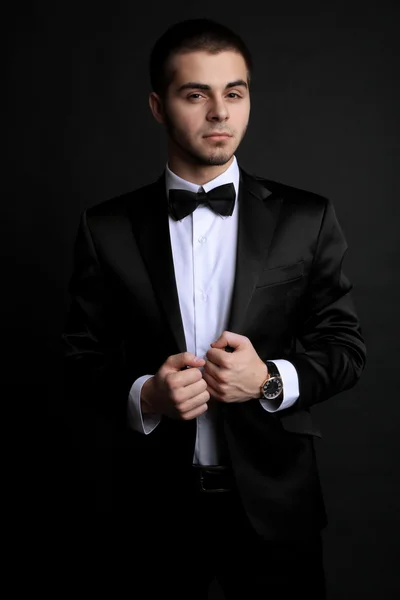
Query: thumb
{"x":177,"y":362}
{"x":228,"y":338}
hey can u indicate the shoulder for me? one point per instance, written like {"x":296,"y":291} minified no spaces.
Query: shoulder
{"x":289,"y":194}
{"x":124,"y":203}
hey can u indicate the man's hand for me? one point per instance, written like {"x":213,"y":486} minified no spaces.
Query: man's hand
{"x":176,"y":391}
{"x":234,"y":376}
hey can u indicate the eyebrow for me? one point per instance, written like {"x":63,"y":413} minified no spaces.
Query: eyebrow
{"x":193,"y":85}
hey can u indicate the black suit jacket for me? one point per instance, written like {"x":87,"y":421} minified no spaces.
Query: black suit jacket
{"x":291,"y":298}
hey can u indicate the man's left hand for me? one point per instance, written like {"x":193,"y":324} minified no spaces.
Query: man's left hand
{"x":234,"y":376}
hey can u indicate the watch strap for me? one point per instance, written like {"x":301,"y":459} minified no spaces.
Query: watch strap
{"x":272,"y":369}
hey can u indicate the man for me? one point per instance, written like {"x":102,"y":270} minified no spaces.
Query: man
{"x":209,"y":313}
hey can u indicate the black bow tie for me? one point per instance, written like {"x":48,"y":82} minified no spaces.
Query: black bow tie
{"x":221,"y":200}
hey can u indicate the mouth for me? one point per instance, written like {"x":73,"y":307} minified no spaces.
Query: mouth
{"x":218,"y":136}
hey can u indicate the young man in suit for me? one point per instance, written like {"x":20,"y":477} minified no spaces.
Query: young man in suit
{"x":209,"y":313}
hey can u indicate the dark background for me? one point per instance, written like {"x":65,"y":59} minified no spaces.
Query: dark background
{"x":325,"y":117}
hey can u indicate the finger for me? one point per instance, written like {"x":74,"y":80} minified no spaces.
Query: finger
{"x":193,"y":414}
{"x":197,"y":403}
{"x":219,"y":358}
{"x":212,"y":383}
{"x":214,"y":395}
{"x":176,"y":362}
{"x":211,"y":368}
{"x":182,"y":394}
{"x":188,"y":376}
{"x":230,"y":340}
{"x":182,"y":378}
{"x":193,"y":390}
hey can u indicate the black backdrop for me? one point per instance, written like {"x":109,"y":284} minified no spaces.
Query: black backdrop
{"x":325,"y":104}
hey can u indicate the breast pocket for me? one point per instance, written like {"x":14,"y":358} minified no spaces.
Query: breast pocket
{"x":281,"y":275}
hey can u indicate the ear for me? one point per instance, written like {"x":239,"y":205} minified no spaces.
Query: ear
{"x":156,"y":107}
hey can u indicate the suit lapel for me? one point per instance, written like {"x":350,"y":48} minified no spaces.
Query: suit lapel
{"x":151,"y":229}
{"x":259,"y":209}
{"x":258,"y":213}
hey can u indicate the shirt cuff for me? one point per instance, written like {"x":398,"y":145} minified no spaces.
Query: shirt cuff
{"x":143,"y":423}
{"x":291,"y":390}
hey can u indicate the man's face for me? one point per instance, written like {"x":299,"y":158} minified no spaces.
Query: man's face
{"x":206,"y":107}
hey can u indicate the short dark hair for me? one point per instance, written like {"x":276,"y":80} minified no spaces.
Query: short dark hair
{"x":190,"y":36}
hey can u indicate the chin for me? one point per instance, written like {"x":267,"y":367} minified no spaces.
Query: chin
{"x":218,"y":161}
{"x":217,"y":158}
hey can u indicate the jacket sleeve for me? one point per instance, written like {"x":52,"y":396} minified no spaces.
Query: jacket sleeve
{"x":332,"y":351}
{"x":94,"y":367}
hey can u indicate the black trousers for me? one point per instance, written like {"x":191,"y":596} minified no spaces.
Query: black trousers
{"x":222,"y":544}
{"x":204,"y":537}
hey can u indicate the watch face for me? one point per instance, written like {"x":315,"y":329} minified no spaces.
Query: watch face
{"x":273,"y":388}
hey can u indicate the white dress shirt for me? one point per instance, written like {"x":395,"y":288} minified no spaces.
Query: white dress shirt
{"x":204,"y":255}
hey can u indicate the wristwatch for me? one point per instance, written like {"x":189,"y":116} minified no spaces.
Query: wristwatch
{"x":272,"y":387}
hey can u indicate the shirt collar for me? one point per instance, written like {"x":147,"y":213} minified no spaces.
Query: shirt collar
{"x":231,"y":175}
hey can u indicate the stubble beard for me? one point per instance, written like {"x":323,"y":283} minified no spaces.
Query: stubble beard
{"x":216,"y":157}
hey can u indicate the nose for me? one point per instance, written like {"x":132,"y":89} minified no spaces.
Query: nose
{"x":218,"y":110}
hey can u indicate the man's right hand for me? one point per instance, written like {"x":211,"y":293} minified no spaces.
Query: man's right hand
{"x":176,"y":391}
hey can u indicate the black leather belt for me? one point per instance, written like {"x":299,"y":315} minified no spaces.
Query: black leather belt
{"x":213,"y":479}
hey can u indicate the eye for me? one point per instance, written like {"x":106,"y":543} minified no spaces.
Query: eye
{"x":234,"y":95}
{"x":195,"y":96}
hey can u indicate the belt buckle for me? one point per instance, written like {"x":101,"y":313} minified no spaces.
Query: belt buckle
{"x":211,"y":471}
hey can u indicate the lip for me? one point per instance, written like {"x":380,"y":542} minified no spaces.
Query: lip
{"x":218,"y":136}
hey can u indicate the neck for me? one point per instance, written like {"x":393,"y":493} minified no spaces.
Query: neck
{"x":198,"y":174}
